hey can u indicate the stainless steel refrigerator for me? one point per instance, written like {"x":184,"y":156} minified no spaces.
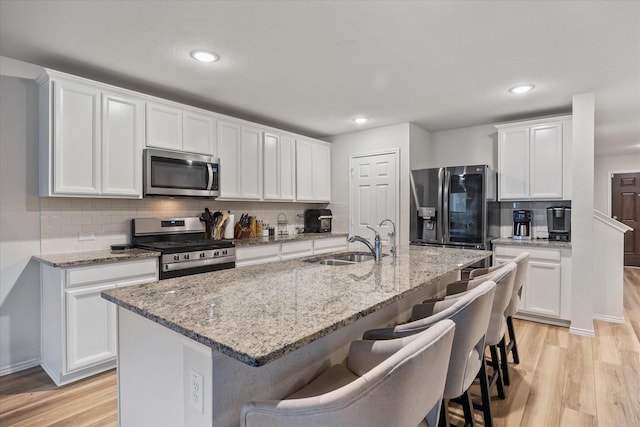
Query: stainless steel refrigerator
{"x":454,"y":206}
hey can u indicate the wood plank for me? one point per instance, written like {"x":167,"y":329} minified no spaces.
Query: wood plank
{"x":631,"y":371}
{"x":544,"y":406}
{"x":614,"y":407}
{"x":604,"y":344}
{"x":579,"y":381}
{"x":571,"y":417}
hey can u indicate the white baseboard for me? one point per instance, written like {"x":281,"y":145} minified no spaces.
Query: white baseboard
{"x":611,"y":319}
{"x":11,"y":369}
{"x":583,"y":332}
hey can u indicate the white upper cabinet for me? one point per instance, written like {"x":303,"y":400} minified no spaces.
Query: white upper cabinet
{"x":173,"y":127}
{"x":240,"y":152}
{"x":313,"y":171}
{"x":122,"y":143}
{"x":534,"y":159}
{"x":90,"y":139}
{"x":279,"y":166}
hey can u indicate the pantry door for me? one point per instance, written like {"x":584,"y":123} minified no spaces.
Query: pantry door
{"x":625,"y":207}
{"x":374,"y":194}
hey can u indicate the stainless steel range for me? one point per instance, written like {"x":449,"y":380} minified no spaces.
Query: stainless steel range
{"x":183,"y":246}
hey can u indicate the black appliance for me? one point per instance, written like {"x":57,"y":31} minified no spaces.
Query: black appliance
{"x":182,"y":244}
{"x":454,"y":206}
{"x":317,"y":220}
{"x":559,"y":223}
{"x":521,"y":224}
{"x":170,"y":173}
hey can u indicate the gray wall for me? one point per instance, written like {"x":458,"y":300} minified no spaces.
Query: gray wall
{"x":476,"y":145}
{"x":19,"y":225}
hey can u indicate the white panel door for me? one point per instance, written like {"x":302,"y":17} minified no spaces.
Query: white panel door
{"x":229,"y":153}
{"x":251,"y":163}
{"x":91,"y":327}
{"x":164,"y":126}
{"x":546,"y":160}
{"x":271,"y":167}
{"x":198,"y":133}
{"x":76,"y":139}
{"x":374,"y":194}
{"x":322,"y":172}
{"x":513,"y":162}
{"x":543,"y":291}
{"x":304,"y":176}
{"x":122,"y":143}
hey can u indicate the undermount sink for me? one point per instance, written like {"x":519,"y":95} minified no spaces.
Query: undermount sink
{"x":345,"y":258}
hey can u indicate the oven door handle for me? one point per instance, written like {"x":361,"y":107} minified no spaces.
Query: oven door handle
{"x":325,"y":217}
{"x":210,"y":182}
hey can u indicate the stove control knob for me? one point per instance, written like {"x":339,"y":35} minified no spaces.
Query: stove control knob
{"x":216,"y":253}
{"x":186,"y":256}
{"x":224,"y":252}
{"x":176,"y":257}
{"x":202,"y":255}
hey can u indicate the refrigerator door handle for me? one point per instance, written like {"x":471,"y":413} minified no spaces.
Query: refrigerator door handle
{"x":444,"y":215}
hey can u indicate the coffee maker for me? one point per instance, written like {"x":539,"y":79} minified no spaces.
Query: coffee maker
{"x":559,"y":223}
{"x":521,"y":224}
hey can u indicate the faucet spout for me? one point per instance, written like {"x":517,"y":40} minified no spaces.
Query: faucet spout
{"x":375,"y":248}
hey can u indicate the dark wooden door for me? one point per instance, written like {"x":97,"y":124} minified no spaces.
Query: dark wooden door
{"x":625,"y":207}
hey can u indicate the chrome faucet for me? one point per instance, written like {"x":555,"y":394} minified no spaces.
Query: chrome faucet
{"x":394,"y":250}
{"x":375,"y":248}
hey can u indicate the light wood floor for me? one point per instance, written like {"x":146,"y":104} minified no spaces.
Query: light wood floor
{"x":562,"y":380}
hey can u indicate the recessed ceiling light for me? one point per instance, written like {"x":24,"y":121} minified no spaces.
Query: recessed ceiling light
{"x":204,"y":56}
{"x":360,"y":120}
{"x":521,"y":89}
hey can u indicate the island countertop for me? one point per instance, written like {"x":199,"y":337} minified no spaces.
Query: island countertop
{"x":258,"y":313}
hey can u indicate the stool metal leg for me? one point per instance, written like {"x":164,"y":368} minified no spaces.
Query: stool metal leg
{"x":503,"y":361}
{"x":495,"y":375}
{"x":512,"y":341}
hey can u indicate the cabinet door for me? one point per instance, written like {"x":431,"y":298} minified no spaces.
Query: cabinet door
{"x":76,"y":144}
{"x":91,"y":327}
{"x":271,"y":167}
{"x":304,"y":168}
{"x":164,"y":126}
{"x":122,"y":143}
{"x":321,"y":172}
{"x":286,"y":155}
{"x":229,"y":153}
{"x":251,"y":163}
{"x":546,"y":160}
{"x":543,"y":288}
{"x":198,"y":133}
{"x":513,"y":162}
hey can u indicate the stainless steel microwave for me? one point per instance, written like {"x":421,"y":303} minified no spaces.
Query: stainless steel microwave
{"x":170,"y":173}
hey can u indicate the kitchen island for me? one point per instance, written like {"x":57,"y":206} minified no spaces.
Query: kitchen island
{"x":192,"y":350}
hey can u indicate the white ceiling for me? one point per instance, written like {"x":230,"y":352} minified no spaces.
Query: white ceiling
{"x":311,"y":66}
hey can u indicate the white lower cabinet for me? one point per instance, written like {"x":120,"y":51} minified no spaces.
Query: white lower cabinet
{"x":259,"y":254}
{"x":546,"y":296}
{"x":78,"y":325}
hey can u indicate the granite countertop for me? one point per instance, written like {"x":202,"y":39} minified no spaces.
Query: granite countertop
{"x":78,"y":259}
{"x":254,"y":241}
{"x":542,"y":243}
{"x":256,"y":314}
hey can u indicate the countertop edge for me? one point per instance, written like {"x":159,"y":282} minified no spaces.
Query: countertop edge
{"x":82,"y":259}
{"x":540,"y":243}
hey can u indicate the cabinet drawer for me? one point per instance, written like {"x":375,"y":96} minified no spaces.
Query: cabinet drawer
{"x":297,"y":249}
{"x":535,"y":253}
{"x":266,"y":252}
{"x":111,"y":272}
{"x":326,"y":245}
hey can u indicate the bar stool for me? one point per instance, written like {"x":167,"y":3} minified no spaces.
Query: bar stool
{"x":504,"y":277}
{"x":471,"y":313}
{"x":383,"y":384}
{"x":522,"y":261}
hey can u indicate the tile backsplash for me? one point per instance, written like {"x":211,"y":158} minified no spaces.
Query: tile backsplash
{"x":538,"y":216}
{"x":63,"y":219}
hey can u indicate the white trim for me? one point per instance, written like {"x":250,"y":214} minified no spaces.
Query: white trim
{"x":610,"y":222}
{"x":10,"y":369}
{"x":610,"y":319}
{"x":396,"y":153}
{"x":609,"y":176}
{"x":583,"y":332}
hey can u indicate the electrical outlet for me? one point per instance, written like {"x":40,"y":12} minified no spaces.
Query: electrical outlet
{"x":196,"y":390}
{"x":86,"y":235}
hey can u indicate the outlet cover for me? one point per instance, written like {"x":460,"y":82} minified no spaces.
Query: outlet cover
{"x":86,"y":235}
{"x":196,"y":390}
